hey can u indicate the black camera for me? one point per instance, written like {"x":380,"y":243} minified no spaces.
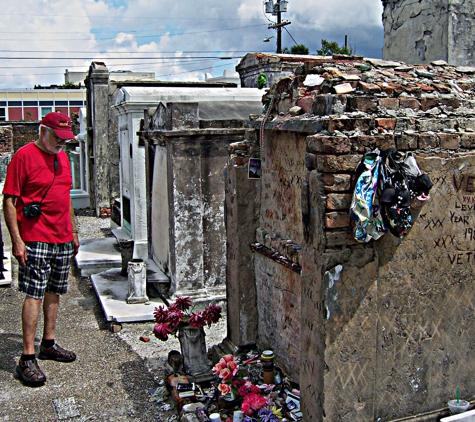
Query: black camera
{"x":32,"y":210}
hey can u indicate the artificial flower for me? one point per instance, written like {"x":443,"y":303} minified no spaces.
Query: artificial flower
{"x":160,"y":314}
{"x":277,"y":412}
{"x":161,"y":331}
{"x":179,"y":313}
{"x":175,"y":317}
{"x":252,"y":402}
{"x":212,"y":314}
{"x":224,"y":388}
{"x":225,"y":374}
{"x":196,"y":320}
{"x":183,"y":303}
{"x":266,"y":415}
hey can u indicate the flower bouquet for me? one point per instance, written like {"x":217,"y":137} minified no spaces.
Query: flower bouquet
{"x":180,"y":320}
{"x":256,"y":401}
{"x":180,"y":314}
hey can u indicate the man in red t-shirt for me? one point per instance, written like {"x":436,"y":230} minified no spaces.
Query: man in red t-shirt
{"x":40,"y":218}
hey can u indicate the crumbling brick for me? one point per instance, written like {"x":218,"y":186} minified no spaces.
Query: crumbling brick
{"x":408,"y":102}
{"x":427,"y":140}
{"x":369,"y":88}
{"x":429,"y":103}
{"x":467,"y":140}
{"x":306,"y":103}
{"x":449,"y":140}
{"x":336,"y":220}
{"x":337,"y":163}
{"x":406,"y":141}
{"x":389,"y":103}
{"x":348,"y":124}
{"x":450,"y":102}
{"x":386,"y":123}
{"x":366,"y":104}
{"x":339,"y":238}
{"x":328,"y":144}
{"x":336,"y":182}
{"x":339,"y":201}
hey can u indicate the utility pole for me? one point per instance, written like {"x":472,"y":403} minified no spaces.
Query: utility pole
{"x":277,"y":9}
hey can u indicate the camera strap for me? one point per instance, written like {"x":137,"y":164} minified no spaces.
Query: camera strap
{"x":54,"y":177}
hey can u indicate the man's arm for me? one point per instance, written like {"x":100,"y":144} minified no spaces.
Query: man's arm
{"x":18,"y":246}
{"x":75,"y":228}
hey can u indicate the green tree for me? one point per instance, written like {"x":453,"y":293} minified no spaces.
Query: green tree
{"x":296,"y":49}
{"x":331,"y":47}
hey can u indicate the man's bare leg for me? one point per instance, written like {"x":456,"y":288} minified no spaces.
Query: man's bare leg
{"x":29,"y":319}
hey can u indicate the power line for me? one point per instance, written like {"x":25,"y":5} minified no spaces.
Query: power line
{"x":109,"y":17}
{"x":135,"y":36}
{"x":118,"y":58}
{"x":113,"y":64}
{"x":126,"y":52}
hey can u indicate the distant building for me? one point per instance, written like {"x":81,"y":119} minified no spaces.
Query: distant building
{"x":76,"y":78}
{"x":33,"y":104}
{"x":229,"y":76}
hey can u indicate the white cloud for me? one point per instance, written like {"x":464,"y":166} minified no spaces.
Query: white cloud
{"x":40,"y":39}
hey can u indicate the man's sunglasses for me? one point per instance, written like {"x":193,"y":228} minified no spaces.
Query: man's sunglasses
{"x":58,"y":139}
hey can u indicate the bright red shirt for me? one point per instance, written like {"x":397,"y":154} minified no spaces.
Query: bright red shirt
{"x":29,"y":174}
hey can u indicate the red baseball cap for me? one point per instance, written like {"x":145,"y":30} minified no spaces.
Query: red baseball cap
{"x":60,"y":123}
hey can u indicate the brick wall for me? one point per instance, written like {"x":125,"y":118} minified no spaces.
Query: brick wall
{"x":22,"y":132}
{"x":361,"y":320}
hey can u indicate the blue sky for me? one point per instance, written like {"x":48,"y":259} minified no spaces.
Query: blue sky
{"x":177,"y":40}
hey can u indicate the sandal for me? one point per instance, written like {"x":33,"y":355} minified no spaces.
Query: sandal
{"x":56,"y":353}
{"x":30,"y":372}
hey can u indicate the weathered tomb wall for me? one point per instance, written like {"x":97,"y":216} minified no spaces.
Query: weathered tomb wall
{"x":378,"y":330}
{"x":429,"y":30}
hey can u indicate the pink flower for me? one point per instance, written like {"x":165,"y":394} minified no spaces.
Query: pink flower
{"x":161,"y":331}
{"x":179,"y":313}
{"x":219,"y":367}
{"x":248,"y":387}
{"x":175,"y":317}
{"x":228,"y":358}
{"x":224,"y":388}
{"x":232,"y":367}
{"x":183,"y":303}
{"x":212,"y":314}
{"x":252,"y":402}
{"x":196,"y":320}
{"x":225,"y":374}
{"x":160,"y":314}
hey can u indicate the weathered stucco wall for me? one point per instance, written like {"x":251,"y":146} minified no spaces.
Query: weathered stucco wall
{"x":428,"y":30}
{"x":103,"y":133}
{"x":186,"y":190}
{"x":375,"y":331}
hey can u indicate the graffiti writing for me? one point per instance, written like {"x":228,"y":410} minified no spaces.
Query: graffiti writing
{"x":309,"y":366}
{"x":462,"y":258}
{"x":294,"y":180}
{"x":439,"y":180}
{"x":269,"y":214}
{"x":432,"y":223}
{"x":443,"y":242}
{"x":464,"y":207}
{"x":308,"y":323}
{"x":307,"y":292}
{"x":454,"y":218}
{"x":465,"y":183}
{"x":469,"y":234}
{"x":468,"y":199}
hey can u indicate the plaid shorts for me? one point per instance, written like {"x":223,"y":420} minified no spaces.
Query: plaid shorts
{"x":46,"y":270}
